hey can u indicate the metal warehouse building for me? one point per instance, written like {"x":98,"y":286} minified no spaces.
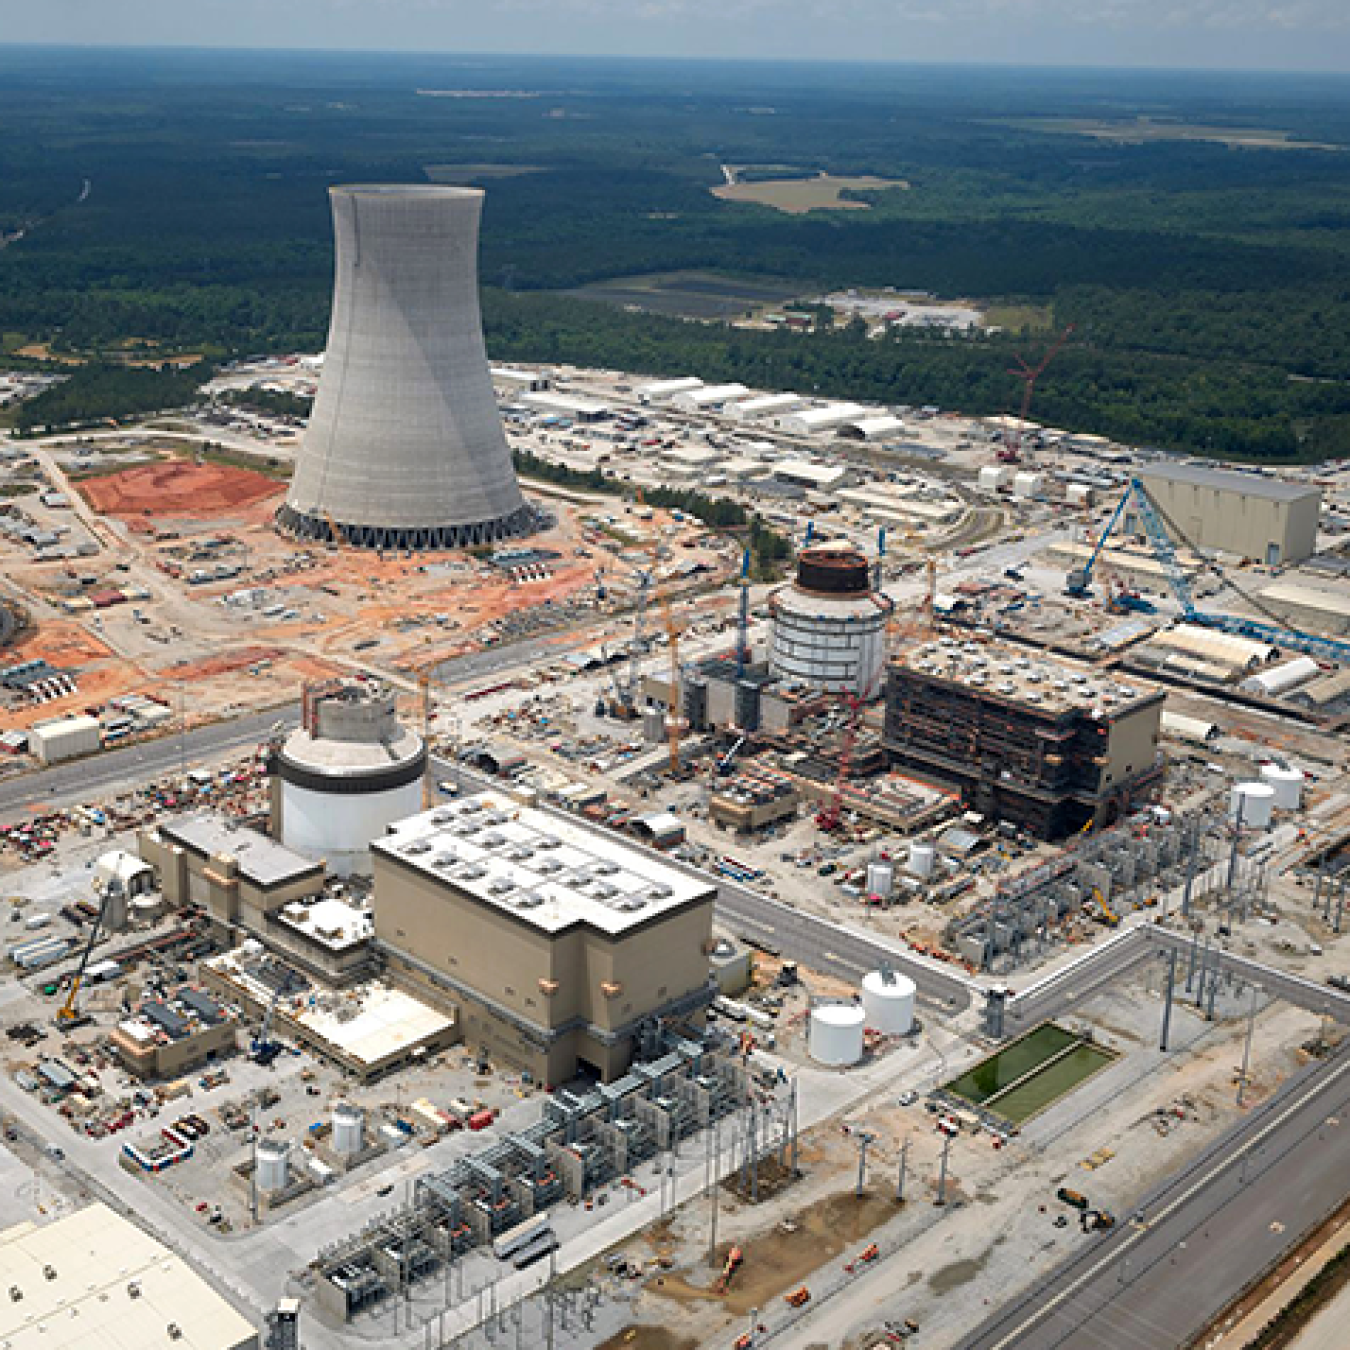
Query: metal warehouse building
{"x":1266,"y":520}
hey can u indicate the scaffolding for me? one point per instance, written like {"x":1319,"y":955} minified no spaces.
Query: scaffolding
{"x":1104,"y":876}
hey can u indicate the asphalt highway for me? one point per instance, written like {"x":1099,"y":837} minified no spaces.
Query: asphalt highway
{"x":85,"y":779}
{"x":1162,"y":1274}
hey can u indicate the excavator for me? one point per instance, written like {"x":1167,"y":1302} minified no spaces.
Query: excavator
{"x":1108,"y":916}
{"x":733,"y":1263}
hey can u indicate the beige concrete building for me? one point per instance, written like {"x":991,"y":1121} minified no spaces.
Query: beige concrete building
{"x":555,"y":944}
{"x":1265,"y":520}
{"x":238,"y":876}
{"x":168,"y":1037}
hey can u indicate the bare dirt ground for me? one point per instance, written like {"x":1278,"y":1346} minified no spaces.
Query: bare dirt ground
{"x":177,"y":489}
{"x":778,"y":1261}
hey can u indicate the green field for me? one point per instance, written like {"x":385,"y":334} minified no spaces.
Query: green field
{"x":178,"y":198}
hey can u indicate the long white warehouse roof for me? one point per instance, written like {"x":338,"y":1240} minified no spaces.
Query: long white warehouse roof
{"x":1223,"y":647}
{"x":94,"y":1278}
{"x":709,"y":396}
{"x":822,"y":419}
{"x":763,"y":405}
{"x":660,"y":389}
{"x":873,"y":428}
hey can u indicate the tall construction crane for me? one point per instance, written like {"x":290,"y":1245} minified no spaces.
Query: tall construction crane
{"x":264,"y":1048}
{"x":1161,"y":531}
{"x":831,"y":815}
{"x":675,"y":719}
{"x":743,"y":619}
{"x":1013,"y":435}
{"x":67,"y":1016}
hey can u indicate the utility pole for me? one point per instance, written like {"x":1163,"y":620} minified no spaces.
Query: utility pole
{"x":1247,"y":1045}
{"x":941,"y":1198}
{"x":864,"y":1139}
{"x":715,"y":1159}
{"x":1167,"y":1000}
{"x":900,"y":1179}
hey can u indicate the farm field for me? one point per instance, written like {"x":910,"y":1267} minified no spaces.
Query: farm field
{"x":797,"y":196}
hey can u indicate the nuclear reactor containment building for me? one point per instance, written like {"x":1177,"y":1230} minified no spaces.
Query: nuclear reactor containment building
{"x":347,"y":773}
{"x":829,"y":624}
{"x":405,"y":448}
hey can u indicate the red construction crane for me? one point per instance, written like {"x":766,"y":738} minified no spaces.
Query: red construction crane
{"x":831,"y":815}
{"x":1012,"y":436}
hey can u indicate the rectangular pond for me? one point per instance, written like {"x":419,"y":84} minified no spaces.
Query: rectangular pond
{"x":1025,"y":1077}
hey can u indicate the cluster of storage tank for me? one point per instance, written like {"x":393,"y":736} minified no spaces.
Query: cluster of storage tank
{"x":1253,"y":805}
{"x":837,"y":1031}
{"x":272,"y":1157}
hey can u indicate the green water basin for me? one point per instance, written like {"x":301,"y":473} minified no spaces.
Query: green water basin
{"x":1036,"y":1070}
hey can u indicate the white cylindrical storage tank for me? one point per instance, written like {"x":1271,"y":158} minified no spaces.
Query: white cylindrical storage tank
{"x":880,"y":879}
{"x":349,"y":1129}
{"x":836,"y":1034}
{"x":1252,"y":804}
{"x":1027,"y":484}
{"x":922,"y":861}
{"x":1288,"y":785}
{"x":994,"y":476}
{"x":272,"y":1164}
{"x":888,"y":1002}
{"x":653,"y":724}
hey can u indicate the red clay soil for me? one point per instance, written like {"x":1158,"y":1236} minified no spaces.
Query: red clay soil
{"x":61,"y":643}
{"x":179,"y":489}
{"x":220,"y":665}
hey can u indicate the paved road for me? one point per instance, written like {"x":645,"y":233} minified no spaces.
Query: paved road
{"x":87,"y":778}
{"x":80,"y":781}
{"x":1204,"y":1235}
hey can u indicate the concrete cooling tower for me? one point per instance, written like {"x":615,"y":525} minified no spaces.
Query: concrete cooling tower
{"x":405,"y":448}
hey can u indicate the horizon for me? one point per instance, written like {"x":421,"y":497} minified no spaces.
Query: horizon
{"x":654,"y":58}
{"x":1239,"y":37}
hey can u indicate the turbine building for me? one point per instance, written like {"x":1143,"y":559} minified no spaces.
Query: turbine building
{"x":405,"y":447}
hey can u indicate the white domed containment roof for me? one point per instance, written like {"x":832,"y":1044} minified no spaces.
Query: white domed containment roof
{"x":405,"y":448}
{"x":888,"y":1002}
{"x":836,"y":1034}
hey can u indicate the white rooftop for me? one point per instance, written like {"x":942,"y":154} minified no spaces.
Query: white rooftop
{"x":77,"y":1277}
{"x":1010,"y":673}
{"x":371,"y":1023}
{"x":333,"y":923}
{"x":541,"y":869}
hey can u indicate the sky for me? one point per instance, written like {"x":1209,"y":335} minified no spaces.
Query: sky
{"x":1308,"y":35}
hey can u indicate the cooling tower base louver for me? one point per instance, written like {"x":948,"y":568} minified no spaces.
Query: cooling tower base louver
{"x":420,"y":539}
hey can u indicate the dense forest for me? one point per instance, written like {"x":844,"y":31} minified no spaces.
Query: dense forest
{"x":179,"y":199}
{"x":100,"y":392}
